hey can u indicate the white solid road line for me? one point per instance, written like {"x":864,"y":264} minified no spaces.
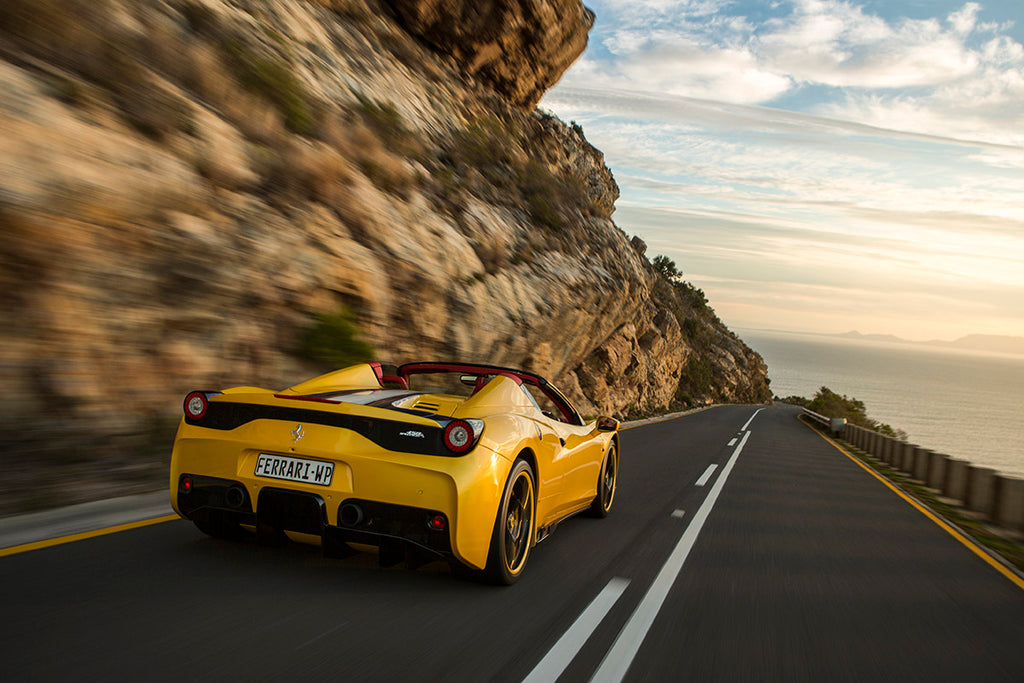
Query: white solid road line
{"x":707,"y":475}
{"x":744,"y":428}
{"x":618,"y":660}
{"x":562,"y":652}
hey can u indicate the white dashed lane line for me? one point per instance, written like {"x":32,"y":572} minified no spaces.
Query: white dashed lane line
{"x":707,"y":475}
{"x":559,"y":656}
{"x":616,"y":663}
{"x":619,"y":658}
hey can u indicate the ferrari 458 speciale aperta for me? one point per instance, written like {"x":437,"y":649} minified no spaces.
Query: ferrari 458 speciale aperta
{"x":463,"y":462}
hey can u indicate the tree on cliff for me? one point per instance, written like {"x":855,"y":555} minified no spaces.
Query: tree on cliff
{"x":666,"y":267}
{"x":830,"y":404}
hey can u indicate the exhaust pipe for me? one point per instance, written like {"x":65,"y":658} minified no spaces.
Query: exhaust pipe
{"x":235,"y":496}
{"x":350,"y":514}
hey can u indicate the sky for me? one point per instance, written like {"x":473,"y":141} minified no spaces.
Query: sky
{"x":818,"y":165}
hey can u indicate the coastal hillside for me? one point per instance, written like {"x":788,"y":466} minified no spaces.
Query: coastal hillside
{"x":209,"y":193}
{"x":990,"y":343}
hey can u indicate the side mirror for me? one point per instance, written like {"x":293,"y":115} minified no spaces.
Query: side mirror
{"x":607,"y":424}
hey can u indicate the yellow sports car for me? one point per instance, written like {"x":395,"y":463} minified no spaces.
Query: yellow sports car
{"x":469,"y":463}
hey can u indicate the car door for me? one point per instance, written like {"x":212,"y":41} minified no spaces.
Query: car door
{"x":573,"y":461}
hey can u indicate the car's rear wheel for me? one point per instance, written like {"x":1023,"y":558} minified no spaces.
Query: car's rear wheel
{"x":513,"y":527}
{"x":606,"y":482}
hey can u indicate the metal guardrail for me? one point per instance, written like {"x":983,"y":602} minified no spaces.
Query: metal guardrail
{"x":836,"y":424}
{"x":820,"y":419}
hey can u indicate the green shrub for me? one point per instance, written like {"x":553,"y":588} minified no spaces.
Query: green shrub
{"x":485,"y":143}
{"x":697,"y":378}
{"x":666,"y":267}
{"x":333,"y":340}
{"x":270,"y":76}
{"x":384,"y":120}
{"x":830,"y":404}
{"x":543,"y":211}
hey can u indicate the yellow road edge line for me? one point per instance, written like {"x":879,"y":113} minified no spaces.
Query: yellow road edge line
{"x":60,"y":540}
{"x":945,"y":526}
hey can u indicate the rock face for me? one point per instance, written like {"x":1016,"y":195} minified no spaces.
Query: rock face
{"x":189,"y":188}
{"x":520,"y":47}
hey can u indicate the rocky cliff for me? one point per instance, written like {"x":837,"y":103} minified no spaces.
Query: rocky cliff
{"x":191,"y":191}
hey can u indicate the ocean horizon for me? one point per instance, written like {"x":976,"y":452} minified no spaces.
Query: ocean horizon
{"x":964,"y":403}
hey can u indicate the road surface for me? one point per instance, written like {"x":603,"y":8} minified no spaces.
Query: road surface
{"x":741,"y":546}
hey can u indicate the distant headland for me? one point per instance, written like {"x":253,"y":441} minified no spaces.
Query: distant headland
{"x":994,"y":343}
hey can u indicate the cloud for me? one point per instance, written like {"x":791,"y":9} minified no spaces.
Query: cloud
{"x":792,"y":276}
{"x":661,"y":145}
{"x":952,"y":75}
{"x":817,"y":163}
{"x":838,"y":44}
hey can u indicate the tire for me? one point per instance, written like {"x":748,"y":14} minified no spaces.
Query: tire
{"x":513,"y":527}
{"x":606,"y":482}
{"x":216,"y":525}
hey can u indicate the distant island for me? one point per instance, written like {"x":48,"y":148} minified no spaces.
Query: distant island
{"x":995,"y":343}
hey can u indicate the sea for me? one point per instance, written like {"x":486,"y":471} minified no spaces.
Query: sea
{"x":966,"y":404}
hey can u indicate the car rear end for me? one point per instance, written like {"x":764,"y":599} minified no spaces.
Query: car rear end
{"x":347,"y":473}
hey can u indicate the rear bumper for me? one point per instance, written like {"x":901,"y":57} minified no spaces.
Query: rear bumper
{"x":375,"y":523}
{"x":465,"y":490}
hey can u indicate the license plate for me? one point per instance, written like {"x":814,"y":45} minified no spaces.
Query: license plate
{"x":294,"y":469}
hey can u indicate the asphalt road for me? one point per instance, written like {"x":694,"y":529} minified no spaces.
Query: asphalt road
{"x":788,"y":562}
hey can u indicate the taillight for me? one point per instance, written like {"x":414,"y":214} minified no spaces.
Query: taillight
{"x":459,"y":436}
{"x":437,"y":523}
{"x":196,"y":404}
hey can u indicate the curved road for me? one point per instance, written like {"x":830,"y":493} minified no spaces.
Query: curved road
{"x":786,"y":561}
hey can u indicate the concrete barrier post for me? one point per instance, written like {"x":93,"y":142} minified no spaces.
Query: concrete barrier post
{"x":907,"y":457}
{"x":896,"y":457}
{"x":1008,"y":507}
{"x":922,"y":458}
{"x":980,"y":489}
{"x":955,"y":485}
{"x":876,"y":443}
{"x":936,"y":478}
{"x":890,"y":448}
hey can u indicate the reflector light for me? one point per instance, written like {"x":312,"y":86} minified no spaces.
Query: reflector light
{"x":437,"y":523}
{"x":186,"y":484}
{"x":195,"y":405}
{"x":458,"y":436}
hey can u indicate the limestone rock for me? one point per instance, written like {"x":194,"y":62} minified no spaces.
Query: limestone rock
{"x":520,"y":47}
